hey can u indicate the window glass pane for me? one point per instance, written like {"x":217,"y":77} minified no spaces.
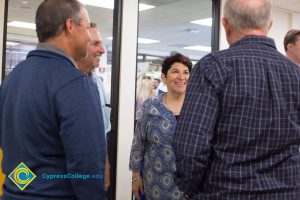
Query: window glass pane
{"x":20,"y":40}
{"x":171,"y":25}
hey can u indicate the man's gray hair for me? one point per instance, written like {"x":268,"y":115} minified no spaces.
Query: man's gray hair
{"x":51,"y":17}
{"x":248,"y":14}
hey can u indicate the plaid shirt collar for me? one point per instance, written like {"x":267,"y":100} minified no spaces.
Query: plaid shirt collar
{"x":250,"y":39}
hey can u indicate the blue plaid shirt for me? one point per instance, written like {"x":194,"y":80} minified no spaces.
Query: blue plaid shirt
{"x":238,"y":135}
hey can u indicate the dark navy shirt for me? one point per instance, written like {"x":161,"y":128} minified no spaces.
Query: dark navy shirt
{"x":238,"y":135}
{"x":50,"y":120}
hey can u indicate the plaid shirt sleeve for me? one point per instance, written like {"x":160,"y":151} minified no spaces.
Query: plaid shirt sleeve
{"x":195,"y":130}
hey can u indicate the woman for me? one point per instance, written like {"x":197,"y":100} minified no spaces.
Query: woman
{"x":151,"y":151}
{"x":144,"y":91}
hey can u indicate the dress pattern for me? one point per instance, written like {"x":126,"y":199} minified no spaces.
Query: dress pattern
{"x":152,"y":152}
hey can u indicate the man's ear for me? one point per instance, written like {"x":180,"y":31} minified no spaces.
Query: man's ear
{"x":225,"y":24}
{"x":270,"y":24}
{"x":69,"y":26}
{"x":289,"y":47}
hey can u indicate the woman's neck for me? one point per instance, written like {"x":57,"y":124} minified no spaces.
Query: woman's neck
{"x":174,"y":102}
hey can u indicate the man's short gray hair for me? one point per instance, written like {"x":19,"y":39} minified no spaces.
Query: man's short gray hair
{"x":51,"y":17}
{"x":248,"y":14}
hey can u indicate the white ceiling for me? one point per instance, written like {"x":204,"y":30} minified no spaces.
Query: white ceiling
{"x":168,"y":22}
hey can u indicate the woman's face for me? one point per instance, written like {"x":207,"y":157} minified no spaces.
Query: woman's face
{"x":177,"y":78}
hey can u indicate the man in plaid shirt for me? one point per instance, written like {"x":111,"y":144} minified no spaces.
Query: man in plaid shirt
{"x":238,"y":135}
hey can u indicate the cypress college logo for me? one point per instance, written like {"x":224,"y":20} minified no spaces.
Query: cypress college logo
{"x":22,"y":176}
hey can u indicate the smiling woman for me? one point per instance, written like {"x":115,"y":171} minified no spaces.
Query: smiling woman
{"x":175,"y":25}
{"x":152,"y":160}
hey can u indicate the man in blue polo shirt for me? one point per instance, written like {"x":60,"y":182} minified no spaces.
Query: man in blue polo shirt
{"x":50,"y":122}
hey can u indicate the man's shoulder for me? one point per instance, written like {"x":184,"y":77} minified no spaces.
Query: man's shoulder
{"x":215,"y":61}
{"x":52,"y":60}
{"x":239,"y":52}
{"x":45,"y":68}
{"x":48,"y":58}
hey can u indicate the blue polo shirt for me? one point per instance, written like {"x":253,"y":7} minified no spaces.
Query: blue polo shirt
{"x":50,"y":120}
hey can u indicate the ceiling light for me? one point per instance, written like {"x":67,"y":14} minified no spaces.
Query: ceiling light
{"x":204,"y":22}
{"x":146,"y":41}
{"x":198,"y":48}
{"x":152,"y":58}
{"x":144,"y":7}
{"x":110,"y":4}
{"x":99,"y":3}
{"x":141,"y":40}
{"x":11,"y":43}
{"x":22,"y":24}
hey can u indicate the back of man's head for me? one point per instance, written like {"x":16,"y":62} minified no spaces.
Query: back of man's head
{"x":51,"y":16}
{"x":248,"y":14}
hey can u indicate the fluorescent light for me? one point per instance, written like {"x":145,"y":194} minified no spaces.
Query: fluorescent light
{"x":22,"y":24}
{"x":110,"y":4}
{"x":204,"y":22}
{"x":198,"y":48}
{"x":99,"y":3}
{"x":143,"y":6}
{"x":152,"y":58}
{"x":146,"y":41}
{"x":141,"y":40}
{"x":11,"y":43}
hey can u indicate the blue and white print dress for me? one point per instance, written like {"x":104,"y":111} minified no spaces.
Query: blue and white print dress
{"x":152,"y":152}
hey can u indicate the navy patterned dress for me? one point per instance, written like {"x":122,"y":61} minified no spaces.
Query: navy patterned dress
{"x":152,"y":152}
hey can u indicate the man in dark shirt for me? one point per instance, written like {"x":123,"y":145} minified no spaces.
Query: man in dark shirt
{"x":238,"y":135}
{"x":51,"y":127}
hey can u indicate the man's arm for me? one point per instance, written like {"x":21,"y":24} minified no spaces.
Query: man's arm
{"x":83,"y":138}
{"x":194,"y":131}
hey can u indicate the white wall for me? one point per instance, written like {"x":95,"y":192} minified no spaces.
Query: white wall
{"x":283,"y":20}
{"x":127,"y":97}
{"x":2,"y":7}
{"x":295,"y":20}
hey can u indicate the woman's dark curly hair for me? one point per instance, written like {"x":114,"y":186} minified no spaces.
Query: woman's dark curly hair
{"x":173,"y":58}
